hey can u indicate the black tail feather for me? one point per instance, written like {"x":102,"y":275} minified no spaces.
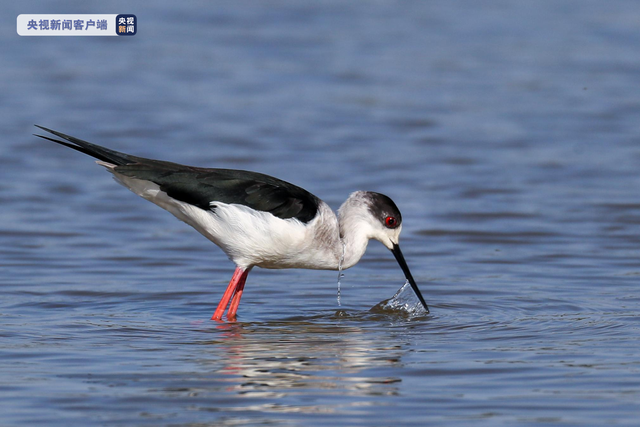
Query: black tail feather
{"x":93,"y":150}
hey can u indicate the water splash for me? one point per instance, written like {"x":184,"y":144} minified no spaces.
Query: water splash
{"x":340,"y":275}
{"x":404,"y":300}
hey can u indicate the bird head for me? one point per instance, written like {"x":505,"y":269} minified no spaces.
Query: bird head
{"x":377,"y":216}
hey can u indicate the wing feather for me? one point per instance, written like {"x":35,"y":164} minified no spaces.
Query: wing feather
{"x":203,"y":187}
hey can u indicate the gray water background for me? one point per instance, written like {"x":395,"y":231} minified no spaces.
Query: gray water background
{"x":508,"y":133}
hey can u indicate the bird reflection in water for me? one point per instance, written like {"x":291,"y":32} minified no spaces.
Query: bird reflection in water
{"x":278,"y":359}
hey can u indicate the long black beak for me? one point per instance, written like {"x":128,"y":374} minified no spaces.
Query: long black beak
{"x":405,"y":268}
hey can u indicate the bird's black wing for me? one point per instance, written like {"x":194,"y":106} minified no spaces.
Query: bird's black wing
{"x":203,"y":187}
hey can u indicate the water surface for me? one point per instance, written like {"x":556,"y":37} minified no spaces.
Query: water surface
{"x":507,"y":134}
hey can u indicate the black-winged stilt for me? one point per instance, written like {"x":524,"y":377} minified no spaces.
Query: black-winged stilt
{"x":256,"y":219}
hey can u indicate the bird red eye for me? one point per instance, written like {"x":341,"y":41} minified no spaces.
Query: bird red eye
{"x":390,"y":222}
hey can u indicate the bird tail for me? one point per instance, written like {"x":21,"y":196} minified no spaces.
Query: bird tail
{"x":101,"y":153}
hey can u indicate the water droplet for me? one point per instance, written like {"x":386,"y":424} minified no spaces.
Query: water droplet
{"x":340,"y":275}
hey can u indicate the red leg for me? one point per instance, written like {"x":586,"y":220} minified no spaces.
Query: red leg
{"x":235,"y":302}
{"x":233,"y":284}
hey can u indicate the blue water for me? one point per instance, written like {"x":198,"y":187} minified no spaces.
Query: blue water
{"x":506,"y":132}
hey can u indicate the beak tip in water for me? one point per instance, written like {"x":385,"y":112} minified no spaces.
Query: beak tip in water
{"x":405,"y":269}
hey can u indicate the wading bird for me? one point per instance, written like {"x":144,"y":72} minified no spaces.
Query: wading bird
{"x":256,"y":219}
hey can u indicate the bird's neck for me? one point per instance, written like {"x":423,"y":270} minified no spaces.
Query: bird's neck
{"x":344,"y":236}
{"x":354,"y":238}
